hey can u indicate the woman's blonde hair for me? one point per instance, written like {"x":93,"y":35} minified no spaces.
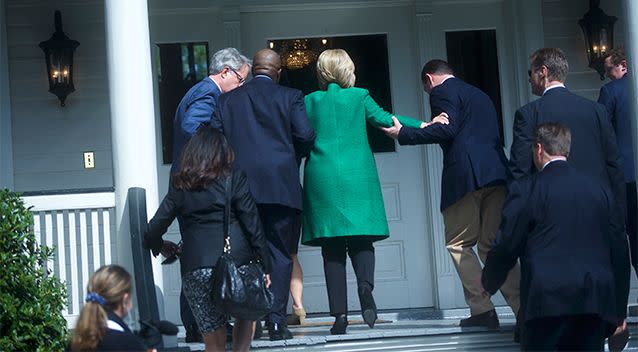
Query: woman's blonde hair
{"x":107,"y":288}
{"x":335,"y":65}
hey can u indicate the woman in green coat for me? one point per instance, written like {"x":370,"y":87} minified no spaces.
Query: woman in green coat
{"x":342,"y":201}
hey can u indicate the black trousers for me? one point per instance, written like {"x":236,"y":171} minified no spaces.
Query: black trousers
{"x":361,"y":252}
{"x":586,"y":332}
{"x":282,"y":234}
{"x":632,"y":227}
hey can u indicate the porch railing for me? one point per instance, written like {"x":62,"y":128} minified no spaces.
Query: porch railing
{"x":81,"y":228}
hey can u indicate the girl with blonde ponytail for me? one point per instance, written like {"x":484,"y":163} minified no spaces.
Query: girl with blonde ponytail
{"x":108,"y":300}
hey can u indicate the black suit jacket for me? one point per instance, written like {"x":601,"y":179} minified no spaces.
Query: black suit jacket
{"x":615,"y":97}
{"x":119,"y":337}
{"x":267,"y":126}
{"x":202,"y":221}
{"x":557,"y":223}
{"x":593,"y":150}
{"x":473,"y":155}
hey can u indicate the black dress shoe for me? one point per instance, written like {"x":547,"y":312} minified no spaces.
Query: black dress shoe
{"x":618,"y":342}
{"x":278,"y":332}
{"x":193,"y":335}
{"x":368,"y":307}
{"x":259,"y":331}
{"x":488,"y":320}
{"x":340,"y":325}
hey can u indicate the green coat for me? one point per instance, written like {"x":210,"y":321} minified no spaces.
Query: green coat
{"x":342,"y":193}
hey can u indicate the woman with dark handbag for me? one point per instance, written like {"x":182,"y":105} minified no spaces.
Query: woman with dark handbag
{"x":198,"y":196}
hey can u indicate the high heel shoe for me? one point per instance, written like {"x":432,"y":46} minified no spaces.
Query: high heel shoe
{"x":368,"y":307}
{"x":298,"y":316}
{"x":340,"y":325}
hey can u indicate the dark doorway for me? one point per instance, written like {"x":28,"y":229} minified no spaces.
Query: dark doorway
{"x":370,"y":56}
{"x":180,"y":66}
{"x":474,"y":58}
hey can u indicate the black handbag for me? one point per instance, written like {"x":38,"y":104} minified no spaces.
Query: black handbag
{"x":239,"y":290}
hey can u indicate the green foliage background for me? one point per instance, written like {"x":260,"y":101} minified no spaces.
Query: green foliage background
{"x":31,"y":300}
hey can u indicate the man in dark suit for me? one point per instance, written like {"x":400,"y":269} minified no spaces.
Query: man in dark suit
{"x":267,"y":126}
{"x":473,"y":181}
{"x":227,"y":71}
{"x":615,"y":97}
{"x":594,"y":151}
{"x":574,"y":267}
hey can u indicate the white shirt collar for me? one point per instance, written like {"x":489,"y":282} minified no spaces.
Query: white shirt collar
{"x":446,"y":78}
{"x":110,"y":324}
{"x":553,"y":86}
{"x":558,"y":158}
{"x":218,"y":87}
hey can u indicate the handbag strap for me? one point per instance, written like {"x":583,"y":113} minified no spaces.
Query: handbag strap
{"x":227,"y":195}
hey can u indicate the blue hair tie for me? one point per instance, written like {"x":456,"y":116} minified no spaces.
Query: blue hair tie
{"x":94,"y":297}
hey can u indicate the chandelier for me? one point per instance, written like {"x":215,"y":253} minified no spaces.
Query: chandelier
{"x":297,"y":54}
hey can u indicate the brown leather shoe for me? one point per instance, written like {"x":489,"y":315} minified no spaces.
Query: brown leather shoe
{"x":488,"y":320}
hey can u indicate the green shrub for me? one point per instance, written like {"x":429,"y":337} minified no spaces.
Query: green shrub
{"x":31,"y":300}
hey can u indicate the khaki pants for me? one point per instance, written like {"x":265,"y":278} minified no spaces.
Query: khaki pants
{"x":474,"y":220}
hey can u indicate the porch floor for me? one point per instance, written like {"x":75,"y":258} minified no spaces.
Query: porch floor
{"x":406,"y":330}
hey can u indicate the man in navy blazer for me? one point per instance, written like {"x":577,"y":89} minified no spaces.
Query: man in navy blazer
{"x":575,"y":272}
{"x":594,"y":150}
{"x":267,"y":126}
{"x":615,"y":97}
{"x":472,"y":184}
{"x":226,"y":72}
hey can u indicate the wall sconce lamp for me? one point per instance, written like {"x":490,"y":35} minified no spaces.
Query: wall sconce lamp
{"x":58,"y":52}
{"x":598,"y":31}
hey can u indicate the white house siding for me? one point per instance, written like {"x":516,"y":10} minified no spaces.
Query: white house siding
{"x":561,"y":29}
{"x":49,"y":140}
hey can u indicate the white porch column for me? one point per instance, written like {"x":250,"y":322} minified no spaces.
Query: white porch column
{"x":6,"y":140}
{"x":132,"y":115}
{"x":630,"y":8}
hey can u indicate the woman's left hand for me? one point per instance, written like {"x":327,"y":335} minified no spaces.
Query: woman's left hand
{"x":170,"y":249}
{"x":268,"y":280}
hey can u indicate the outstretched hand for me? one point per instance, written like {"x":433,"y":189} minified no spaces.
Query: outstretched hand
{"x":393,"y":131}
{"x":441,"y":118}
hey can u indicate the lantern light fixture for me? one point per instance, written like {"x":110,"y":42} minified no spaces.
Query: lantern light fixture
{"x":598,"y":31}
{"x":58,"y":53}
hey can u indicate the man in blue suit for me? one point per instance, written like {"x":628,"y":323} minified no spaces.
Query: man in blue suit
{"x":574,"y":267}
{"x":267,"y":126}
{"x":615,"y":97}
{"x":473,"y":181}
{"x":227,"y":71}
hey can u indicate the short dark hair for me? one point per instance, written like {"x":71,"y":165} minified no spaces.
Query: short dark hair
{"x":206,"y":157}
{"x":617,"y":55}
{"x":555,"y":138}
{"x":555,"y":61}
{"x":436,"y":66}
